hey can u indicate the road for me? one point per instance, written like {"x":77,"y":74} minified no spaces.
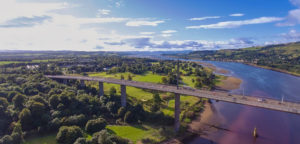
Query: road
{"x":291,"y":107}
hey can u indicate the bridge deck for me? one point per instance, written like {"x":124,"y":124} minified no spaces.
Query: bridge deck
{"x":272,"y":104}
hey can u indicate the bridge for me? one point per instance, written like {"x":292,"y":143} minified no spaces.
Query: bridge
{"x":272,"y":104}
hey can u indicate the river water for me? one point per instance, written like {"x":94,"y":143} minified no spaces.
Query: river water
{"x":273,"y":127}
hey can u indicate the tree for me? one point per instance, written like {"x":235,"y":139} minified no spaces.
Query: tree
{"x":54,"y":101}
{"x":157,"y":99}
{"x":129,"y":117}
{"x":104,"y":137}
{"x":198,"y":83}
{"x":78,"y":120}
{"x":95,"y":125}
{"x":3,"y":102}
{"x":112,"y":91}
{"x":17,"y":134}
{"x":18,"y":101}
{"x":7,"y":139}
{"x":129,"y":77}
{"x":154,"y":108}
{"x":68,"y":134}
{"x":121,"y":112}
{"x":80,"y":140}
{"x":164,"y":80}
{"x":25,"y":118}
{"x":156,"y":103}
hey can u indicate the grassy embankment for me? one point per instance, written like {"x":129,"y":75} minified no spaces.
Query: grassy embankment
{"x":136,"y":94}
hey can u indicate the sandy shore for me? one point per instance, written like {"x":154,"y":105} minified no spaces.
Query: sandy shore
{"x":206,"y":126}
{"x":228,"y":83}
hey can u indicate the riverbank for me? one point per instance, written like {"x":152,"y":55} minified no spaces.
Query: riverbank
{"x":259,"y":66}
{"x":208,"y":124}
{"x":274,"y":69}
{"x":213,"y":68}
{"x":225,"y":83}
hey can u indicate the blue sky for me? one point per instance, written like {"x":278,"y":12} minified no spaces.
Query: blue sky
{"x":119,"y":25}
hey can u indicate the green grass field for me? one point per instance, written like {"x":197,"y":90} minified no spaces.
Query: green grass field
{"x":136,"y":133}
{"x":142,"y":95}
{"x":8,"y":62}
{"x":47,"y":139}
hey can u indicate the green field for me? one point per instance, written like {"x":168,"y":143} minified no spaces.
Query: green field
{"x":47,"y":139}
{"x":142,"y":95}
{"x":46,"y":60}
{"x":136,"y":133}
{"x":8,"y":62}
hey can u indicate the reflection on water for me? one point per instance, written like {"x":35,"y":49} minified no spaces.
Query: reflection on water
{"x":273,"y":127}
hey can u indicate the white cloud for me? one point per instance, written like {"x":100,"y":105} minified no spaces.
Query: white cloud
{"x":35,"y":26}
{"x":292,"y":35}
{"x":146,"y":43}
{"x":147,"y":33}
{"x":295,"y":2}
{"x":102,"y":12}
{"x":166,"y":35}
{"x":168,"y":31}
{"x":137,"y":23}
{"x":204,"y":18}
{"x":293,"y":17}
{"x":11,"y":9}
{"x":118,"y":4}
{"x":234,"y":24}
{"x":236,"y":15}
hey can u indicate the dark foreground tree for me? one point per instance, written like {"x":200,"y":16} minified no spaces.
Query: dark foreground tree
{"x":68,"y":135}
{"x":95,"y":125}
{"x":103,"y":137}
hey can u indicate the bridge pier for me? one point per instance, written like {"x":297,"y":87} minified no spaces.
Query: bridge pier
{"x":177,"y":113}
{"x":123,"y":95}
{"x":101,"y":91}
{"x":82,"y":83}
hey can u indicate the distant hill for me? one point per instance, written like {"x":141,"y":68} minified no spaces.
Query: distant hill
{"x":282,"y":57}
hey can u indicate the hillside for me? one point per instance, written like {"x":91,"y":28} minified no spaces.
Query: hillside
{"x":283,"y":57}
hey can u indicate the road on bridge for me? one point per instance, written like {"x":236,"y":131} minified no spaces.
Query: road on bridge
{"x":291,"y":107}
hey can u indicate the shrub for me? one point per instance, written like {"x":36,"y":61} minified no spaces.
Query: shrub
{"x":18,"y":101}
{"x":25,"y":118}
{"x":68,"y":135}
{"x":154,"y":108}
{"x":190,"y":114}
{"x":3,"y":102}
{"x":129,"y":117}
{"x":95,"y":125}
{"x":78,"y":120}
{"x":7,"y":139}
{"x":54,"y":101}
{"x":121,"y":111}
{"x":104,"y":137}
{"x":112,"y":91}
{"x":80,"y":140}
